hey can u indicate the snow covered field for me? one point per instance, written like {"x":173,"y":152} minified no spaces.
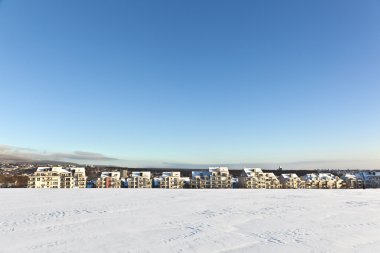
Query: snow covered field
{"x":126,"y":220}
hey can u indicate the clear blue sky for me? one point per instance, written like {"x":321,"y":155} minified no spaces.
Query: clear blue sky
{"x":193,"y":82}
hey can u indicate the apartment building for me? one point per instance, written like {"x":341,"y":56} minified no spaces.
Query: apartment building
{"x":255,"y":178}
{"x":171,"y":180}
{"x":311,"y":181}
{"x":252,"y":178}
{"x":220,"y":177}
{"x":351,"y":181}
{"x":58,"y":177}
{"x":371,"y":179}
{"x":271,"y":181}
{"x":322,"y":181}
{"x":200,"y":179}
{"x":329,"y":181}
{"x":109,"y":180}
{"x":79,"y":177}
{"x":291,"y":181}
{"x":140,"y":179}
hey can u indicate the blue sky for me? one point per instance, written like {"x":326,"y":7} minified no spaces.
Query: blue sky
{"x":192,"y":83}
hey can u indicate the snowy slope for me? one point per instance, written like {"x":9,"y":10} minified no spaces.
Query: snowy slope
{"x":126,"y":220}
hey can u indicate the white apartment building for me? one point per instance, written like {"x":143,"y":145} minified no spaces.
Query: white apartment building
{"x":255,"y":178}
{"x":79,"y":177}
{"x":109,"y":180}
{"x":252,"y":178}
{"x":352,"y":181}
{"x":291,"y":181}
{"x":271,"y":181}
{"x":322,"y":181}
{"x":172,"y":180}
{"x":58,"y":177}
{"x":329,"y":181}
{"x":140,"y":179}
{"x":200,"y":179}
{"x":220,"y":177}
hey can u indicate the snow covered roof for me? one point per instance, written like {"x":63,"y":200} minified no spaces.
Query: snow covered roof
{"x":271,"y":174}
{"x":171,"y":174}
{"x":43,"y":168}
{"x":370,"y":173}
{"x":78,"y":169}
{"x":326,"y":176}
{"x":141,"y":174}
{"x":200,"y":173}
{"x":255,"y":170}
{"x":110,"y":174}
{"x":52,"y":169}
{"x":311,"y":176}
{"x":288,"y":176}
{"x":349,"y":176}
{"x":221,"y":169}
{"x":319,"y":176}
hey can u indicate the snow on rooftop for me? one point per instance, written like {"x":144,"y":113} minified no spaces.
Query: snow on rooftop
{"x":270,"y":174}
{"x":141,"y":174}
{"x":326,"y":176}
{"x":43,"y":168}
{"x":221,"y":169}
{"x":166,"y":174}
{"x":78,"y":169}
{"x":171,"y":174}
{"x":349,"y":176}
{"x":287,"y":176}
{"x":52,"y":169}
{"x":311,"y":176}
{"x":370,"y":173}
{"x":201,"y":173}
{"x":110,"y":174}
{"x":255,"y":170}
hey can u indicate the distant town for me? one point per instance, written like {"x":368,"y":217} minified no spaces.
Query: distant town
{"x":68,"y":175}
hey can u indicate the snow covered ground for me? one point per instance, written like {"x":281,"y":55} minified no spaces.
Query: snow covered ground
{"x":126,"y":220}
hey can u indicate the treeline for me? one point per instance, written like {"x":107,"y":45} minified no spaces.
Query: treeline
{"x":14,"y":181}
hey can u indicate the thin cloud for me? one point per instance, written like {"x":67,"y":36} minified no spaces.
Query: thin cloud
{"x":82,"y":155}
{"x":297,"y":165}
{"x":20,"y":153}
{"x":17,"y":154}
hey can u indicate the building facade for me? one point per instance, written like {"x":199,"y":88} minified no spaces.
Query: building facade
{"x":351,"y":181}
{"x":200,"y":179}
{"x":255,"y":178}
{"x":140,"y":179}
{"x":271,"y":181}
{"x":171,"y":180}
{"x":79,"y":177}
{"x":322,"y":181}
{"x":58,"y":177}
{"x":371,"y":179}
{"x":291,"y":181}
{"x":109,"y":180}
{"x":252,"y":178}
{"x":220,"y":178}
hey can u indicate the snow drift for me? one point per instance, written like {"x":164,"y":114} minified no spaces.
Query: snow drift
{"x":153,"y":220}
